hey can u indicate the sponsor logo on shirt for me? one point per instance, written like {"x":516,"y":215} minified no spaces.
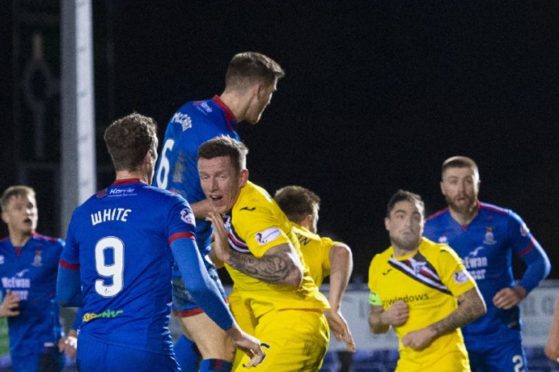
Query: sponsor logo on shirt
{"x":475,"y":263}
{"x":107,"y":314}
{"x":408,"y":299}
{"x":187,"y":217}
{"x":122,"y":192}
{"x":183,"y":119}
{"x":268,"y":235}
{"x":461,"y":277}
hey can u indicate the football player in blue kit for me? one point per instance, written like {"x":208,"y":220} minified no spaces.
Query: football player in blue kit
{"x":487,"y":237}
{"x":250,"y":82}
{"x":28,"y":268}
{"x":120,"y":249}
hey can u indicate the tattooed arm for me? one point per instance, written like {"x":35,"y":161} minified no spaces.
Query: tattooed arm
{"x":470,"y":307}
{"x":280,"y":264}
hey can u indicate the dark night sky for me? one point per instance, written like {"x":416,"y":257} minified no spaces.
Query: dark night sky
{"x":377,"y":95}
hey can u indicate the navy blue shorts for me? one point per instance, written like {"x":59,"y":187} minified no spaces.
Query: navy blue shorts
{"x":97,"y":356}
{"x":50,"y":360}
{"x":497,"y":356}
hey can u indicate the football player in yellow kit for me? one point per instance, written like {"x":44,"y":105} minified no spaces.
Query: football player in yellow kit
{"x":422,"y":290}
{"x":262,"y":255}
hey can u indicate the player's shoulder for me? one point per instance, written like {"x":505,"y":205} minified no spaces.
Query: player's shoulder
{"x":253,"y":196}
{"x":434,"y":251}
{"x":160,"y":196}
{"x":382,"y":257}
{"x":437,"y":216}
{"x":488,"y":208}
{"x":303,"y":233}
{"x":4,"y":242}
{"x":48,"y":240}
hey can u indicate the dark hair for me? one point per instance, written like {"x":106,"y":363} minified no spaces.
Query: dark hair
{"x":296,"y":202}
{"x":15,"y":191}
{"x":225,"y":146}
{"x":459,"y":162}
{"x":403,"y":195}
{"x":249,"y":67}
{"x":129,"y":139}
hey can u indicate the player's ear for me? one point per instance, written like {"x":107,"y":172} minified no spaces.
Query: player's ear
{"x":243,"y":177}
{"x":5,"y":217}
{"x":386,"y":223}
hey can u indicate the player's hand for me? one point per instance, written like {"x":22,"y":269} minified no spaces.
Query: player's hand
{"x":420,"y":339}
{"x":10,"y":304}
{"x":397,"y":314}
{"x":551,"y":348}
{"x":250,"y":345}
{"x":69,"y":344}
{"x":220,"y":246}
{"x":340,"y":329}
{"x":507,"y":298}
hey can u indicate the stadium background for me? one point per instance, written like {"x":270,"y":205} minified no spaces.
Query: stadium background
{"x":377,"y":94}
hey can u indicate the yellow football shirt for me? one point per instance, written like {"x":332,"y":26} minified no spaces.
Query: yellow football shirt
{"x":316,"y":253}
{"x":256,"y":224}
{"x":429,"y":281}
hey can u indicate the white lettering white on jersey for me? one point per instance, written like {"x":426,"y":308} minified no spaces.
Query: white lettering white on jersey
{"x":111,"y":214}
{"x":162,"y":178}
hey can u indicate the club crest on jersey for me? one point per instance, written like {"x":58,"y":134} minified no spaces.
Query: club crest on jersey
{"x":38,"y":259}
{"x":443,"y":239}
{"x":268,"y":235}
{"x":461,"y":277}
{"x":524,"y":230}
{"x":489,"y":236}
{"x":187,"y":216}
{"x":418,"y":266}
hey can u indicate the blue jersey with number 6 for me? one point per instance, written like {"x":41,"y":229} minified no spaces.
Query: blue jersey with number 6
{"x":193,"y":124}
{"x":120,"y":241}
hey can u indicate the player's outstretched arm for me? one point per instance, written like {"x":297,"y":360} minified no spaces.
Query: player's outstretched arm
{"x":280,"y":265}
{"x":470,"y":307}
{"x":206,"y":294}
{"x":68,"y":290}
{"x":201,"y":209}
{"x":551,"y":348}
{"x":341,"y":266}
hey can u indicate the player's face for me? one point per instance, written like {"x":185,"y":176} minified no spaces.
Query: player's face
{"x":21,"y":214}
{"x":405,"y":225}
{"x":261,"y":100}
{"x":221,"y":182}
{"x":460,"y":187}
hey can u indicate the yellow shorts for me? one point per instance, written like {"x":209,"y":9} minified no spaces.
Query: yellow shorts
{"x":245,"y":319}
{"x":298,"y":341}
{"x":450,"y":362}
